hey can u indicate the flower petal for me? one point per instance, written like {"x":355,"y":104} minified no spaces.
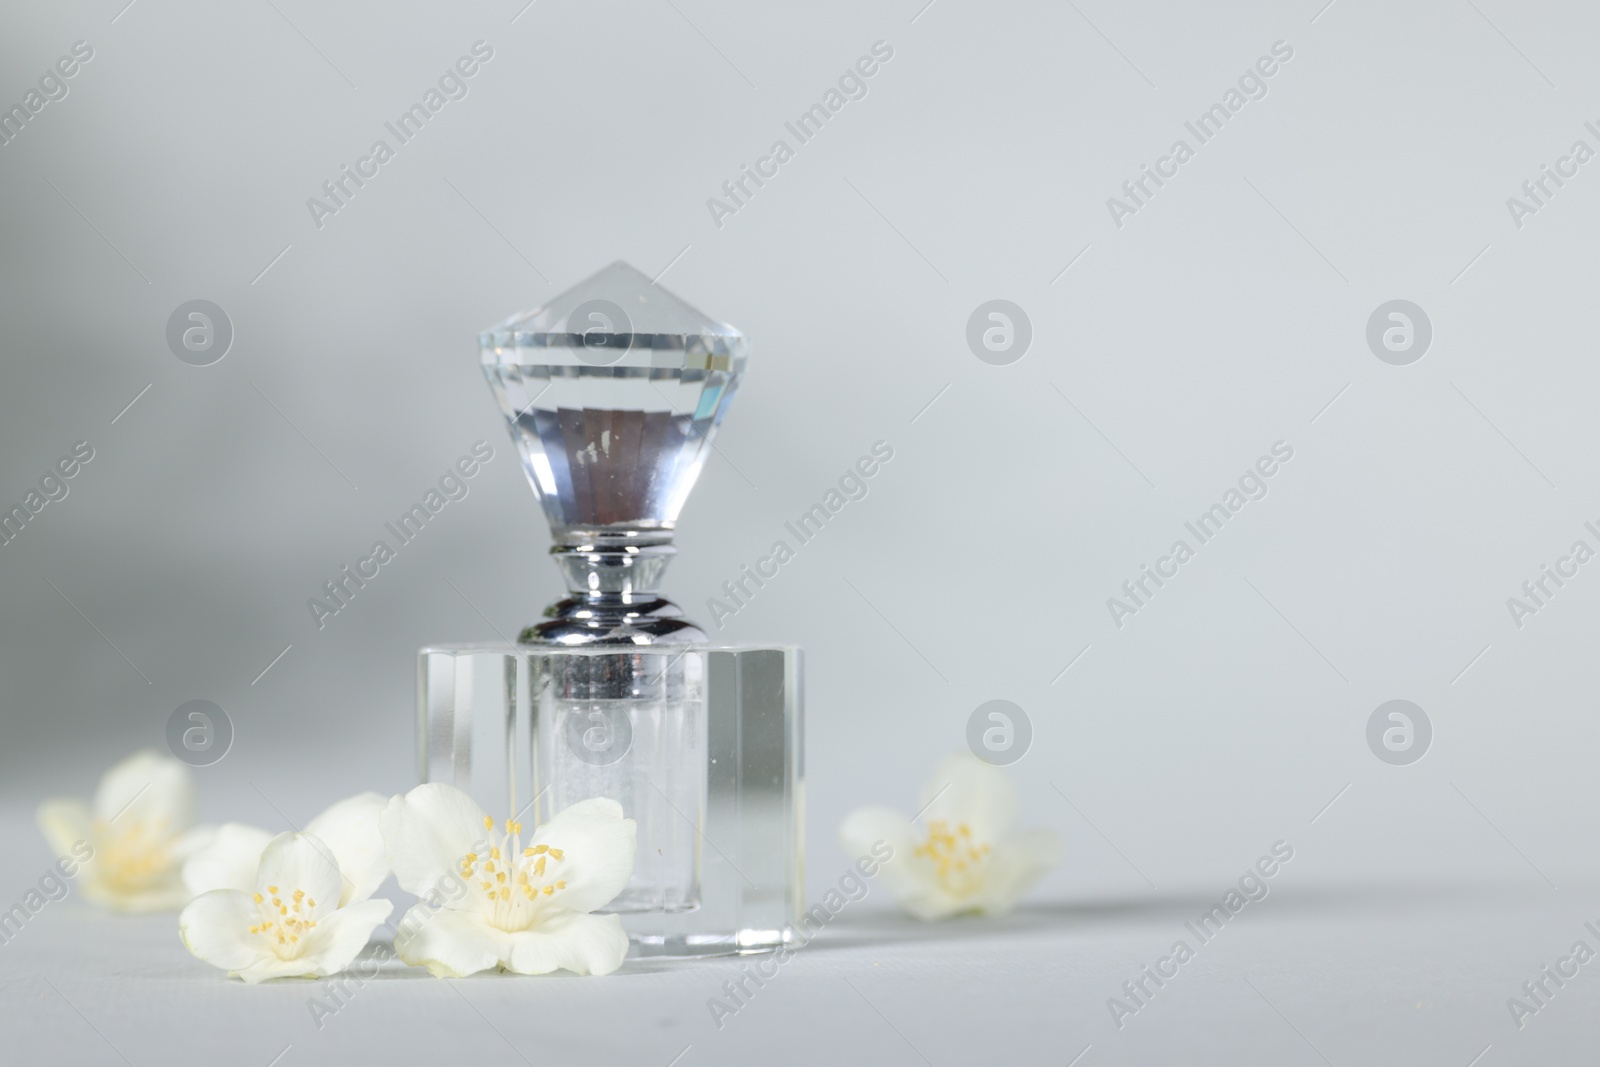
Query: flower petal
{"x":582,"y":944}
{"x":350,"y":830}
{"x":868,"y":832}
{"x":911,"y":879}
{"x":427,"y":831}
{"x":300,"y":862}
{"x":216,"y":928}
{"x":597,"y":846}
{"x":931,"y":904}
{"x":964,"y":789}
{"x":190,"y":843}
{"x":916,"y":888}
{"x":340,"y":937}
{"x":229,"y":860}
{"x":865,"y":831}
{"x":147,"y":790}
{"x":65,"y":824}
{"x":272,"y":966}
{"x":451,"y":944}
{"x":268,"y":967}
{"x":1014,"y":867}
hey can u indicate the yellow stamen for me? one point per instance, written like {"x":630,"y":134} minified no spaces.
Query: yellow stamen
{"x":955,"y":857}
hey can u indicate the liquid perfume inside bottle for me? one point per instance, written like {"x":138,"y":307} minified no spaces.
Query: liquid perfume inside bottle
{"x":613,"y":392}
{"x":632,"y":727}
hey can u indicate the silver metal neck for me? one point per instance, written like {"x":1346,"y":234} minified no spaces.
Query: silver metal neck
{"x":612,"y":596}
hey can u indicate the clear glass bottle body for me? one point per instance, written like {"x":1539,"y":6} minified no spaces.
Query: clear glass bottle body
{"x":702,"y":747}
{"x":629,"y":726}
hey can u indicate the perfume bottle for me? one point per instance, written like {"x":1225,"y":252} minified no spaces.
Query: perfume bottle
{"x":613,"y":392}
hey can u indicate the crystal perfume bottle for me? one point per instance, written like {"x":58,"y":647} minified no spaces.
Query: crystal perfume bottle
{"x":613,"y":392}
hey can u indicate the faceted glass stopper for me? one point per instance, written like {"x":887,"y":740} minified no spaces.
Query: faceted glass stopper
{"x":614,"y":391}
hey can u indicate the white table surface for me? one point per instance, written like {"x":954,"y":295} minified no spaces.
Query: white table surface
{"x":1365,"y":975}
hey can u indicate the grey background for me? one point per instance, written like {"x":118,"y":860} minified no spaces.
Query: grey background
{"x":1228,"y":314}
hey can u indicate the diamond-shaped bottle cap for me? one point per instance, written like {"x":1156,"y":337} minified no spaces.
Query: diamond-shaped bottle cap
{"x":650,"y":319}
{"x":613,"y":390}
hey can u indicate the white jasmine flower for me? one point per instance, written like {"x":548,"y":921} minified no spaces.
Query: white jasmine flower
{"x":493,"y":902}
{"x":970,"y":857}
{"x":349,"y":829}
{"x":138,"y":831}
{"x":291,"y":925}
